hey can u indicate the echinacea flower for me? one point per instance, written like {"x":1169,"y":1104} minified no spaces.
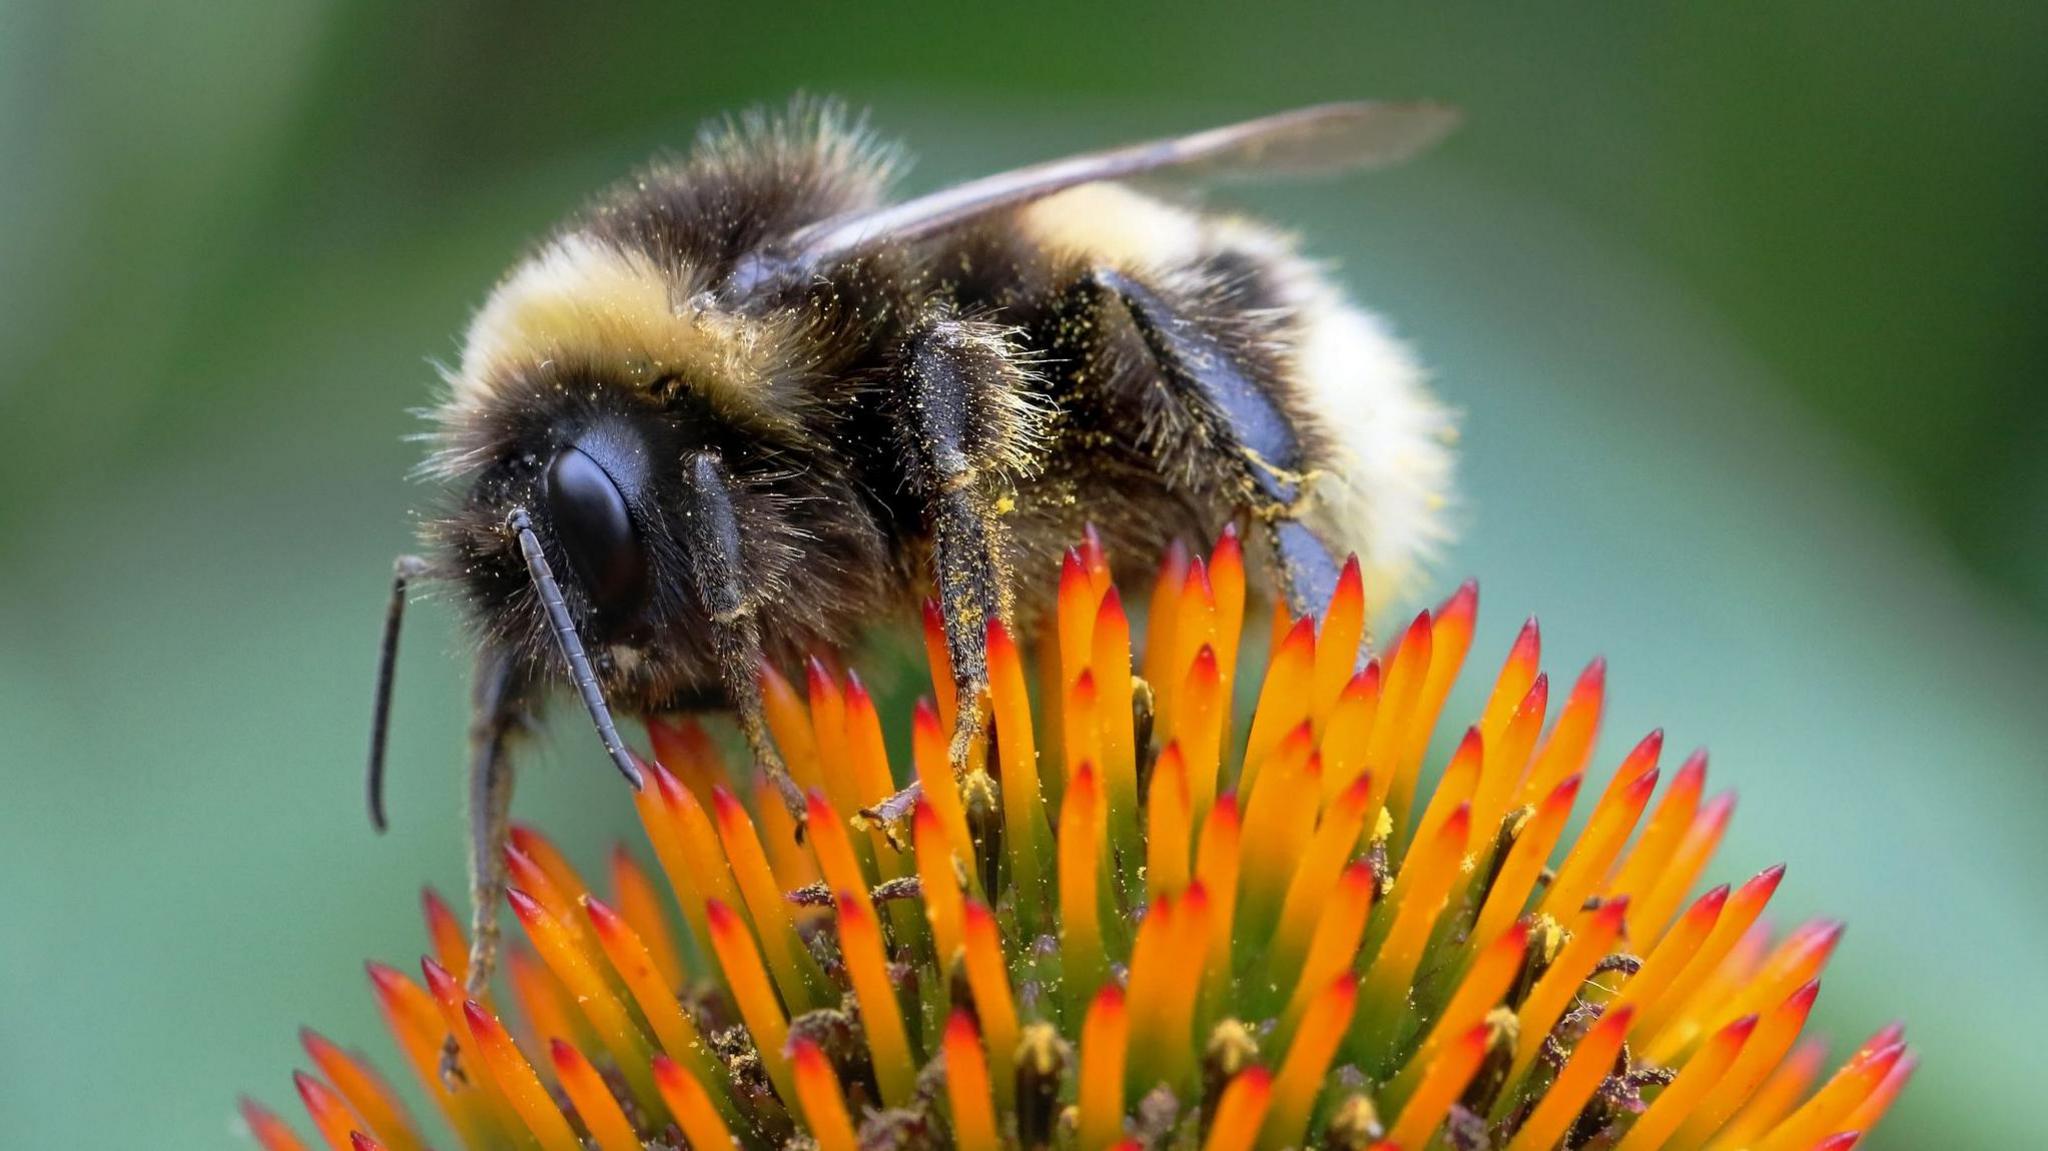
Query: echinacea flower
{"x":1136,"y":927}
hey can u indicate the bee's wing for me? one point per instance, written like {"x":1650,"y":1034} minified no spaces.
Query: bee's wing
{"x":1323,"y":138}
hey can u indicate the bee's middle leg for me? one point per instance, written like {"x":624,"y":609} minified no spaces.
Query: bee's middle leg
{"x":966,"y":426}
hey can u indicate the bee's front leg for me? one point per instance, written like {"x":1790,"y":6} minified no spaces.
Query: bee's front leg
{"x":502,"y":705}
{"x":967,"y":427}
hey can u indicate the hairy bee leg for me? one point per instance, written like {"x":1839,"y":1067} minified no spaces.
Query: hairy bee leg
{"x":971,"y":593}
{"x":716,"y":567}
{"x":739,"y":657}
{"x":965,"y":427}
{"x":1238,"y":414}
{"x":501,"y":706}
{"x":1308,"y":572}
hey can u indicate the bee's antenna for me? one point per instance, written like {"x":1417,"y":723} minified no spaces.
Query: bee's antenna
{"x":571,"y":644}
{"x":403,"y":571}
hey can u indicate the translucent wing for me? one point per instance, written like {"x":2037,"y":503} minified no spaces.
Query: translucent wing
{"x":1323,"y":138}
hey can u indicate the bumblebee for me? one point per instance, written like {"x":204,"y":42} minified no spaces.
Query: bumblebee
{"x":742,"y":407}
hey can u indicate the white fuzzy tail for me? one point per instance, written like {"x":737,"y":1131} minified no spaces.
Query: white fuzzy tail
{"x":1386,"y":491}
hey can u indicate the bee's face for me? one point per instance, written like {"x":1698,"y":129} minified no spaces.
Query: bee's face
{"x":600,"y":480}
{"x":656,"y":519}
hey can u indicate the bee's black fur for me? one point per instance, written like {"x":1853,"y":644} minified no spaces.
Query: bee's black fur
{"x":745,"y":183}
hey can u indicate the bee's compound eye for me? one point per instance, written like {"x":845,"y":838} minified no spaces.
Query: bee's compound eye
{"x":595,"y":527}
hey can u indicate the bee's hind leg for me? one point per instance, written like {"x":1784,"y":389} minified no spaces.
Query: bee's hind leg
{"x":1226,"y":399}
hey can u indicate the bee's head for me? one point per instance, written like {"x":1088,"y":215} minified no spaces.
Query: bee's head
{"x":645,"y":511}
{"x":625,"y":540}
{"x":634,"y":479}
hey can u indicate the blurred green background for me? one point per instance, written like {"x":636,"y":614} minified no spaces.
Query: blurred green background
{"x":1742,"y":303}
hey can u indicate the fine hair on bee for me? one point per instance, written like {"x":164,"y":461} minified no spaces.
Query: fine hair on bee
{"x":743,"y":407}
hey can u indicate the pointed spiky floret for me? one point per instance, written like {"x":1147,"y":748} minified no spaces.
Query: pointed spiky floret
{"x":1141,"y":924}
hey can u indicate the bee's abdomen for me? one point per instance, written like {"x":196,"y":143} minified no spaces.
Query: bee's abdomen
{"x":1291,"y":402}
